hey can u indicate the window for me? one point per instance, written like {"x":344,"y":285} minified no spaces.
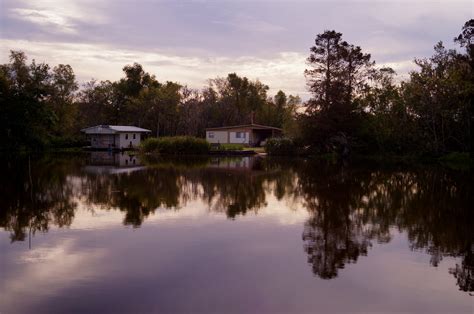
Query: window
{"x":126,"y":136}
{"x":240,"y":134}
{"x":210,"y":134}
{"x":134,"y":136}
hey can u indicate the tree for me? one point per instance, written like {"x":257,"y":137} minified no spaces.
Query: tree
{"x":237,"y":99}
{"x":281,"y":101}
{"x":338,"y":72}
{"x":327,"y":69}
{"x":384,"y":114}
{"x":25,"y":118}
{"x":95,"y":103}
{"x":466,"y":40}
{"x":63,"y":88}
{"x":439,"y":98}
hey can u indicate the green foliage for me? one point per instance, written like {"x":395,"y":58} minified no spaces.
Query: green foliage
{"x":281,"y":146}
{"x":439,"y":97}
{"x":429,"y":114}
{"x":25,"y":117}
{"x":177,"y":145}
{"x":338,"y":73}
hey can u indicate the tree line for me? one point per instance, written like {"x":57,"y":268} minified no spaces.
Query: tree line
{"x":41,"y":105}
{"x":355,"y":105}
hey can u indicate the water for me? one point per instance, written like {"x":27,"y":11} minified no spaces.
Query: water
{"x":104,"y":233}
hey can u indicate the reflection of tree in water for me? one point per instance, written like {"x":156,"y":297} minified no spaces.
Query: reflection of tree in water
{"x":438,"y":219}
{"x":349,"y":208}
{"x":138,"y":194}
{"x":169,"y":186}
{"x":239,"y":191}
{"x":464,"y":273}
{"x":234,"y":193}
{"x":34,"y":194}
{"x":335,"y":233}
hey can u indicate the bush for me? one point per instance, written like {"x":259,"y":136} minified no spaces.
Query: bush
{"x":178,"y":145}
{"x":280,"y":146}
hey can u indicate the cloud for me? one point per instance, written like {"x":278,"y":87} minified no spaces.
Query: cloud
{"x":250,"y":24}
{"x":280,"y":71}
{"x":191,"y":41}
{"x":44,"y":18}
{"x":55,"y":15}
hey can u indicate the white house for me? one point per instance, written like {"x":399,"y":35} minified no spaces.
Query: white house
{"x":247,"y":134}
{"x":115,"y":136}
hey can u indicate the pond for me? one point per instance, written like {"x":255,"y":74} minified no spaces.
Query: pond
{"x":105,"y":233}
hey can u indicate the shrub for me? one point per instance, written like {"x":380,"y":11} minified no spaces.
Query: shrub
{"x":280,"y":146}
{"x":178,"y":145}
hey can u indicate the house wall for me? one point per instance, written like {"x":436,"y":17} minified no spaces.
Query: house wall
{"x":124,"y":142}
{"x":253,"y":136}
{"x":243,"y":140}
{"x":219,"y":137}
{"x":102,"y":140}
{"x":229,"y":136}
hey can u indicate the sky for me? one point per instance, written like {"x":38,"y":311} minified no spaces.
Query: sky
{"x":192,"y":41}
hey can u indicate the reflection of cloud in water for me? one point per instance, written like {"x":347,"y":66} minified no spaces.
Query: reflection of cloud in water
{"x":281,"y":213}
{"x":95,"y":217}
{"x":59,"y":264}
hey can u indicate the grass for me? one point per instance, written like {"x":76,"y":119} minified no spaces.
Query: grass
{"x":256,"y":149}
{"x":228,"y":147}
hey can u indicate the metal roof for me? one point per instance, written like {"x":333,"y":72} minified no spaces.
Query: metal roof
{"x":245,"y":126}
{"x":112,"y":129}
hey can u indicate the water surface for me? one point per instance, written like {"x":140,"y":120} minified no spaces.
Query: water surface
{"x":111,"y":233}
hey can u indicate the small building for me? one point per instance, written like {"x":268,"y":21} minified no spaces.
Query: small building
{"x":247,"y":134}
{"x":115,"y":136}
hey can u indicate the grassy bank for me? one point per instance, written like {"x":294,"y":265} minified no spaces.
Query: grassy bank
{"x":228,"y":147}
{"x":177,"y":145}
{"x":289,"y":148}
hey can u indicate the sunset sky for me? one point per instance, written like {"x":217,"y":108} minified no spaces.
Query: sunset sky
{"x":192,"y":41}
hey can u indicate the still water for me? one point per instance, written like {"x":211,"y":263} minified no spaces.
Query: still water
{"x":103,"y":233}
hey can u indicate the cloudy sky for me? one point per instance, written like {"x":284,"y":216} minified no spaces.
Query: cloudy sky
{"x":192,"y":41}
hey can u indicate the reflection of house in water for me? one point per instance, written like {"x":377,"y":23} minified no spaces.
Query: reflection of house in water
{"x":237,"y":163}
{"x":102,"y":162}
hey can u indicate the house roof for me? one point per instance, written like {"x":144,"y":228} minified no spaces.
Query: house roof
{"x":112,"y":129}
{"x":245,"y":126}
